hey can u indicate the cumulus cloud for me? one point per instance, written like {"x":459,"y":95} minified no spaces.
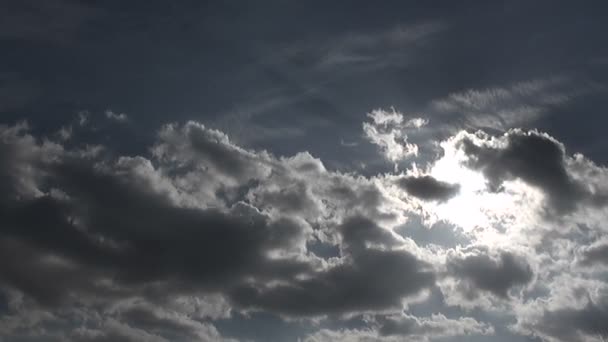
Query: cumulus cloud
{"x":89,"y":229}
{"x":103,"y":246}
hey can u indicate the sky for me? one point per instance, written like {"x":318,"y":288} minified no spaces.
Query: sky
{"x":306,"y":171}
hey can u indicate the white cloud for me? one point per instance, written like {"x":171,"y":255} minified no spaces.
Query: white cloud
{"x":510,"y":106}
{"x":388,"y":130}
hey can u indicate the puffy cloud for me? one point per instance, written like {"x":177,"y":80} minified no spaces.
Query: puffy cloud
{"x":168,"y":243}
{"x":113,"y":229}
{"x":92,"y":230}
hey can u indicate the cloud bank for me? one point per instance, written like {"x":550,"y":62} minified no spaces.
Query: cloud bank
{"x":99,"y":246}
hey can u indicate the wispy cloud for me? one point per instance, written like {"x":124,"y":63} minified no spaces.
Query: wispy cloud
{"x":503,"y":107}
{"x":390,"y":47}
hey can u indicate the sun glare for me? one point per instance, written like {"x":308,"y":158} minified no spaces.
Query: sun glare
{"x":475,"y":208}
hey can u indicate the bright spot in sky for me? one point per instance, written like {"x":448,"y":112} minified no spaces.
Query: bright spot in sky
{"x":475,"y":208}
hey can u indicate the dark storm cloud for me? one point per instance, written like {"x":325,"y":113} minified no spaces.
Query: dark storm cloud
{"x":495,"y":275}
{"x":369,"y":279}
{"x":534,"y":158}
{"x":428,"y":188}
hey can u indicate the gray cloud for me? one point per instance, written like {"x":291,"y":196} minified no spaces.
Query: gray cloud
{"x":431,"y":327}
{"x":428,"y":188}
{"x":495,"y":275}
{"x":98,"y":230}
{"x":127,"y":238}
{"x":369,"y":279}
{"x":534,"y":158}
{"x":395,"y":328}
{"x":587,"y":323}
{"x":596,"y":254}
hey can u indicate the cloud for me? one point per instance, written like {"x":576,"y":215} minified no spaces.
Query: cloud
{"x":118,"y":117}
{"x":509,"y":106}
{"x":432,"y":327}
{"x":496,"y":275}
{"x":170,"y":242}
{"x":583,"y":324}
{"x":110,"y":230}
{"x":536,"y":158}
{"x":95,"y":229}
{"x":399,"y":327}
{"x":387,"y":129}
{"x":381,"y":49}
{"x":428,"y":188}
{"x":368,"y":279}
{"x":595,"y":254}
